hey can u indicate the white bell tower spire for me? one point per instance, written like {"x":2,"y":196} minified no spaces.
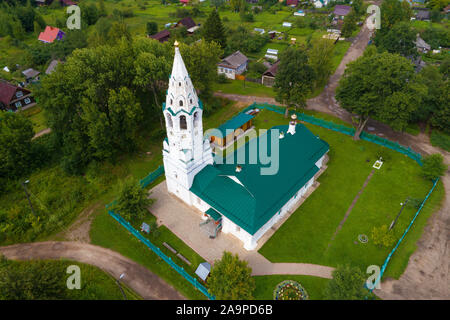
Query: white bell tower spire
{"x":185,"y":151}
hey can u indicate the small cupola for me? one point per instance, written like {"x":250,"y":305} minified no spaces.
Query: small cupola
{"x":292,"y":124}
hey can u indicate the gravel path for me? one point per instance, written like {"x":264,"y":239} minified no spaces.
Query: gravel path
{"x":140,"y":279}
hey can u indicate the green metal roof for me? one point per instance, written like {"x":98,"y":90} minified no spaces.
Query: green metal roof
{"x":214,"y":214}
{"x":235,"y":122}
{"x":250,"y":199}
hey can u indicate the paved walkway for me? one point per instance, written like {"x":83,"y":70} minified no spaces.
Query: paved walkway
{"x":184,"y":221}
{"x":140,"y":279}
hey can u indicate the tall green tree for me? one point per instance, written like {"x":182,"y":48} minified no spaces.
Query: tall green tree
{"x":349,"y":24}
{"x":152,"y":28}
{"x":213,"y":29}
{"x":201,"y":60}
{"x":347,"y":284}
{"x":399,"y":39}
{"x":231,"y":279}
{"x":16,"y":132}
{"x":321,"y":59}
{"x":393,"y":11}
{"x":295,"y":78}
{"x":381,"y":86}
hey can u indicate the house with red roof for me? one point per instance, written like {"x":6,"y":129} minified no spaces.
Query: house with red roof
{"x":293,"y":3}
{"x":51,"y":34}
{"x":13,"y":97}
{"x":184,"y":1}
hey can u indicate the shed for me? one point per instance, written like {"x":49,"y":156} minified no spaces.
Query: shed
{"x":237,"y":125}
{"x":203,"y":270}
{"x":287,"y":24}
{"x":161,"y":36}
{"x":341,"y":10}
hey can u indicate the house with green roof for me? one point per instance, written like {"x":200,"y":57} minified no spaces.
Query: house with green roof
{"x":251,"y":189}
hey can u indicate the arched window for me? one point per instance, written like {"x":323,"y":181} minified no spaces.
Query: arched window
{"x":196,"y":119}
{"x":181,"y":103}
{"x":179,"y":84}
{"x":190,"y":100}
{"x":171,"y":102}
{"x":183,"y":123}
{"x":169,"y":121}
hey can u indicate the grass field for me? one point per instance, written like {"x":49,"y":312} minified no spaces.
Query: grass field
{"x":37,"y":117}
{"x":108,"y":233}
{"x":250,"y":89}
{"x":305,"y":236}
{"x":95,"y":283}
{"x":266,"y":284}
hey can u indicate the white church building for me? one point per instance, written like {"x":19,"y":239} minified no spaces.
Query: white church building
{"x":237,"y":199}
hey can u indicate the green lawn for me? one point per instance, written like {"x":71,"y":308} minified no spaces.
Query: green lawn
{"x":107,"y":232}
{"x":36,"y":115}
{"x":305,"y":236}
{"x":265,"y":285}
{"x":250,"y":89}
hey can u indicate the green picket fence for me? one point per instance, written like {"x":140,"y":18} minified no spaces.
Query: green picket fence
{"x":152,"y":176}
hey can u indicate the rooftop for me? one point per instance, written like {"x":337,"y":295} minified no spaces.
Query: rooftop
{"x":342,"y":10}
{"x":250,"y":199}
{"x":234,"y":60}
{"x":235,"y":123}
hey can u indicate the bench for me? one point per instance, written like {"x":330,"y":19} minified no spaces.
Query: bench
{"x":184,"y":259}
{"x":169,"y":247}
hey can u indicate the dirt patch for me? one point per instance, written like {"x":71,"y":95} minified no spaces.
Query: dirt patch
{"x":80,"y":228}
{"x":140,"y":279}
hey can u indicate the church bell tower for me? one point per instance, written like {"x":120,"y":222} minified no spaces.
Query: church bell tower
{"x":185,"y":151}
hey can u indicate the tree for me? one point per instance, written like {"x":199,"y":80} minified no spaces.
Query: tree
{"x":347,"y":284}
{"x":213,"y":29}
{"x":236,"y":5}
{"x":394,"y":11}
{"x":16,"y":132}
{"x":217,"y":3}
{"x":152,"y":28}
{"x":89,"y":13}
{"x":151,"y":67}
{"x":400,"y":39}
{"x":133,"y":201}
{"x":101,"y":9}
{"x":321,"y":59}
{"x":381,"y":86}
{"x":201,"y":60}
{"x":358,"y":7}
{"x":435,"y":98}
{"x":231,"y":279}
{"x":433,"y":166}
{"x":349,"y":24}
{"x":295,"y":78}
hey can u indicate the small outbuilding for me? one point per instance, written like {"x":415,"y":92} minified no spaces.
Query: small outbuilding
{"x":341,"y":11}
{"x":423,"y":15}
{"x":233,"y":65}
{"x":268,"y":77}
{"x":233,"y":129}
{"x":203,"y":270}
{"x":31,"y":75}
{"x":161,"y":36}
{"x":51,"y":34}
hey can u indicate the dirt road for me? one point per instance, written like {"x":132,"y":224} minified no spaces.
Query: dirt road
{"x":140,"y":279}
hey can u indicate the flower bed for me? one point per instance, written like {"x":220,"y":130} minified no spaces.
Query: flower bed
{"x":290,"y":290}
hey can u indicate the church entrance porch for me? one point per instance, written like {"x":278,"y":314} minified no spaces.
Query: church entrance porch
{"x":184,"y":221}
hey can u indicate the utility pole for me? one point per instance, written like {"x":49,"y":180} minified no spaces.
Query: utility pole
{"x":398,"y":215}
{"x":120,"y":287}
{"x":28,"y":196}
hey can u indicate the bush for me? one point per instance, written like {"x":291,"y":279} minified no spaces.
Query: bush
{"x":221,"y":78}
{"x":433,"y":166}
{"x":382,"y":237}
{"x":441,"y":140}
{"x":347,"y":284}
{"x":132,"y":202}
